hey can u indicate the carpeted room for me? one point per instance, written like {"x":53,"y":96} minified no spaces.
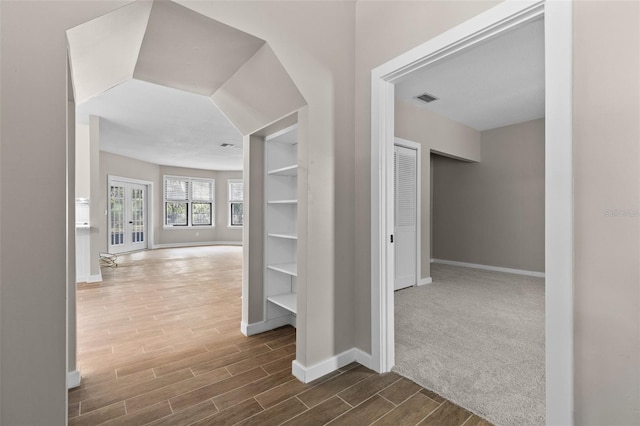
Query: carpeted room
{"x":476,"y":336}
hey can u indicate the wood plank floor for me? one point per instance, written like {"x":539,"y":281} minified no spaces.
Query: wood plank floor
{"x":159,"y":344}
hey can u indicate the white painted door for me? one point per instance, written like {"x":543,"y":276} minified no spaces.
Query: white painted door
{"x":405,"y":191}
{"x":127,"y":217}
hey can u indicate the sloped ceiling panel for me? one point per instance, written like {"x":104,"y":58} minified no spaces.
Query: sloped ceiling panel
{"x":260,"y":93}
{"x":188,"y":51}
{"x":103,"y":52}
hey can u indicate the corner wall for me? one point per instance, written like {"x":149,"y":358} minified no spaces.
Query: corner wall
{"x":492,"y":212}
{"x":436,"y":134}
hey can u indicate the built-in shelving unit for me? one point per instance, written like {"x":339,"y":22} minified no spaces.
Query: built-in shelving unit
{"x":281,"y":221}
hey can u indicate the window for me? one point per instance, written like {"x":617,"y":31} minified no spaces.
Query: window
{"x":188,"y":201}
{"x":236,"y":196}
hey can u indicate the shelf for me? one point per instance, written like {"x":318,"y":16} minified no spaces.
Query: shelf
{"x":287,"y":236}
{"x":289,"y":301}
{"x":285,"y":268}
{"x":283,"y":202}
{"x":288,"y":135}
{"x":285,"y":171}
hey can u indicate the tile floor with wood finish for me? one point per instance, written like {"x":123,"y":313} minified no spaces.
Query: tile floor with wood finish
{"x":159,"y":343}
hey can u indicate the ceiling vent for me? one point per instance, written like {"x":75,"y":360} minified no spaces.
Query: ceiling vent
{"x":426,"y":98}
{"x":228,"y":145}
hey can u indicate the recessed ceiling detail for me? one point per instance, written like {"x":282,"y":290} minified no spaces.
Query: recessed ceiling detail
{"x":170,"y":84}
{"x":204,"y":53}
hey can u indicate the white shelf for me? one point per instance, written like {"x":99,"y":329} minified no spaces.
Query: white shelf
{"x":285,"y":171}
{"x":286,"y":236}
{"x":288,"y":135}
{"x":289,"y":301}
{"x":285,"y":268}
{"x":283,"y":202}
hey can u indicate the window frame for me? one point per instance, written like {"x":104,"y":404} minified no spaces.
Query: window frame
{"x":231,"y":201}
{"x":190,"y":201}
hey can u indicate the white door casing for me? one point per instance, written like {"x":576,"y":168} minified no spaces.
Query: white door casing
{"x":558,"y":184}
{"x":405,"y":216}
{"x":127,"y":215}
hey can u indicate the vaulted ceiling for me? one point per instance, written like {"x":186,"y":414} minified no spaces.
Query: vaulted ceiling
{"x":229,"y":80}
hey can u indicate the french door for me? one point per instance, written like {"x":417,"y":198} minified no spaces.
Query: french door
{"x":127,"y":216}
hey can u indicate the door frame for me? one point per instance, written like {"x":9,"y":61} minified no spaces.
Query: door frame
{"x":558,"y":184}
{"x":418,"y":147}
{"x":149,"y":201}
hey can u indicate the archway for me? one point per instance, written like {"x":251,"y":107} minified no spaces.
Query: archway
{"x":170,"y":45}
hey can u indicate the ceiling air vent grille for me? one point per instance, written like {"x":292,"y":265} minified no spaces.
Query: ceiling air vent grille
{"x":426,"y":98}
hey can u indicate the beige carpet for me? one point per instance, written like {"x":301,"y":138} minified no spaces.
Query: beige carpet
{"x":476,"y":338}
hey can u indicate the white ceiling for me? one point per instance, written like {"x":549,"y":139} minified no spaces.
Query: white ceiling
{"x":164,"y":126}
{"x":495,"y":84}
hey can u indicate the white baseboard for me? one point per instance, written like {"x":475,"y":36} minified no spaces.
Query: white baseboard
{"x":309,"y":374}
{"x":203,"y":243}
{"x":81,"y":278}
{"x":489,"y":268}
{"x":363,"y":358}
{"x":261,"y":327}
{"x":425,"y":281}
{"x":73,"y":379}
{"x":94,"y":278}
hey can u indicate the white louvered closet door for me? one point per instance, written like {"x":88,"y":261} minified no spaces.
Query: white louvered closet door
{"x":405,"y":190}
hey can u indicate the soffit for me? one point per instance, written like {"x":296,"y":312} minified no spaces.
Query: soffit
{"x":103,"y":52}
{"x":189,"y":51}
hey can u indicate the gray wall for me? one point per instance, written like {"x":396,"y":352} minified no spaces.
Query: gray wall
{"x":606,"y":153}
{"x":492,"y":212}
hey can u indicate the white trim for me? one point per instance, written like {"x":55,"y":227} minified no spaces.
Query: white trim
{"x":558,"y":183}
{"x":197,"y":244}
{"x":262,"y":326}
{"x":309,"y":374}
{"x":559,"y":211}
{"x":189,"y":201}
{"x":425,"y":281}
{"x":230,"y":201}
{"x":73,"y":379}
{"x":149,"y":231}
{"x":489,"y":268}
{"x":418,"y":147}
{"x":94,"y":278}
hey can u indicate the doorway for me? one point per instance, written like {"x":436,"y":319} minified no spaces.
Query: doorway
{"x":558,"y":186}
{"x":128,"y":215}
